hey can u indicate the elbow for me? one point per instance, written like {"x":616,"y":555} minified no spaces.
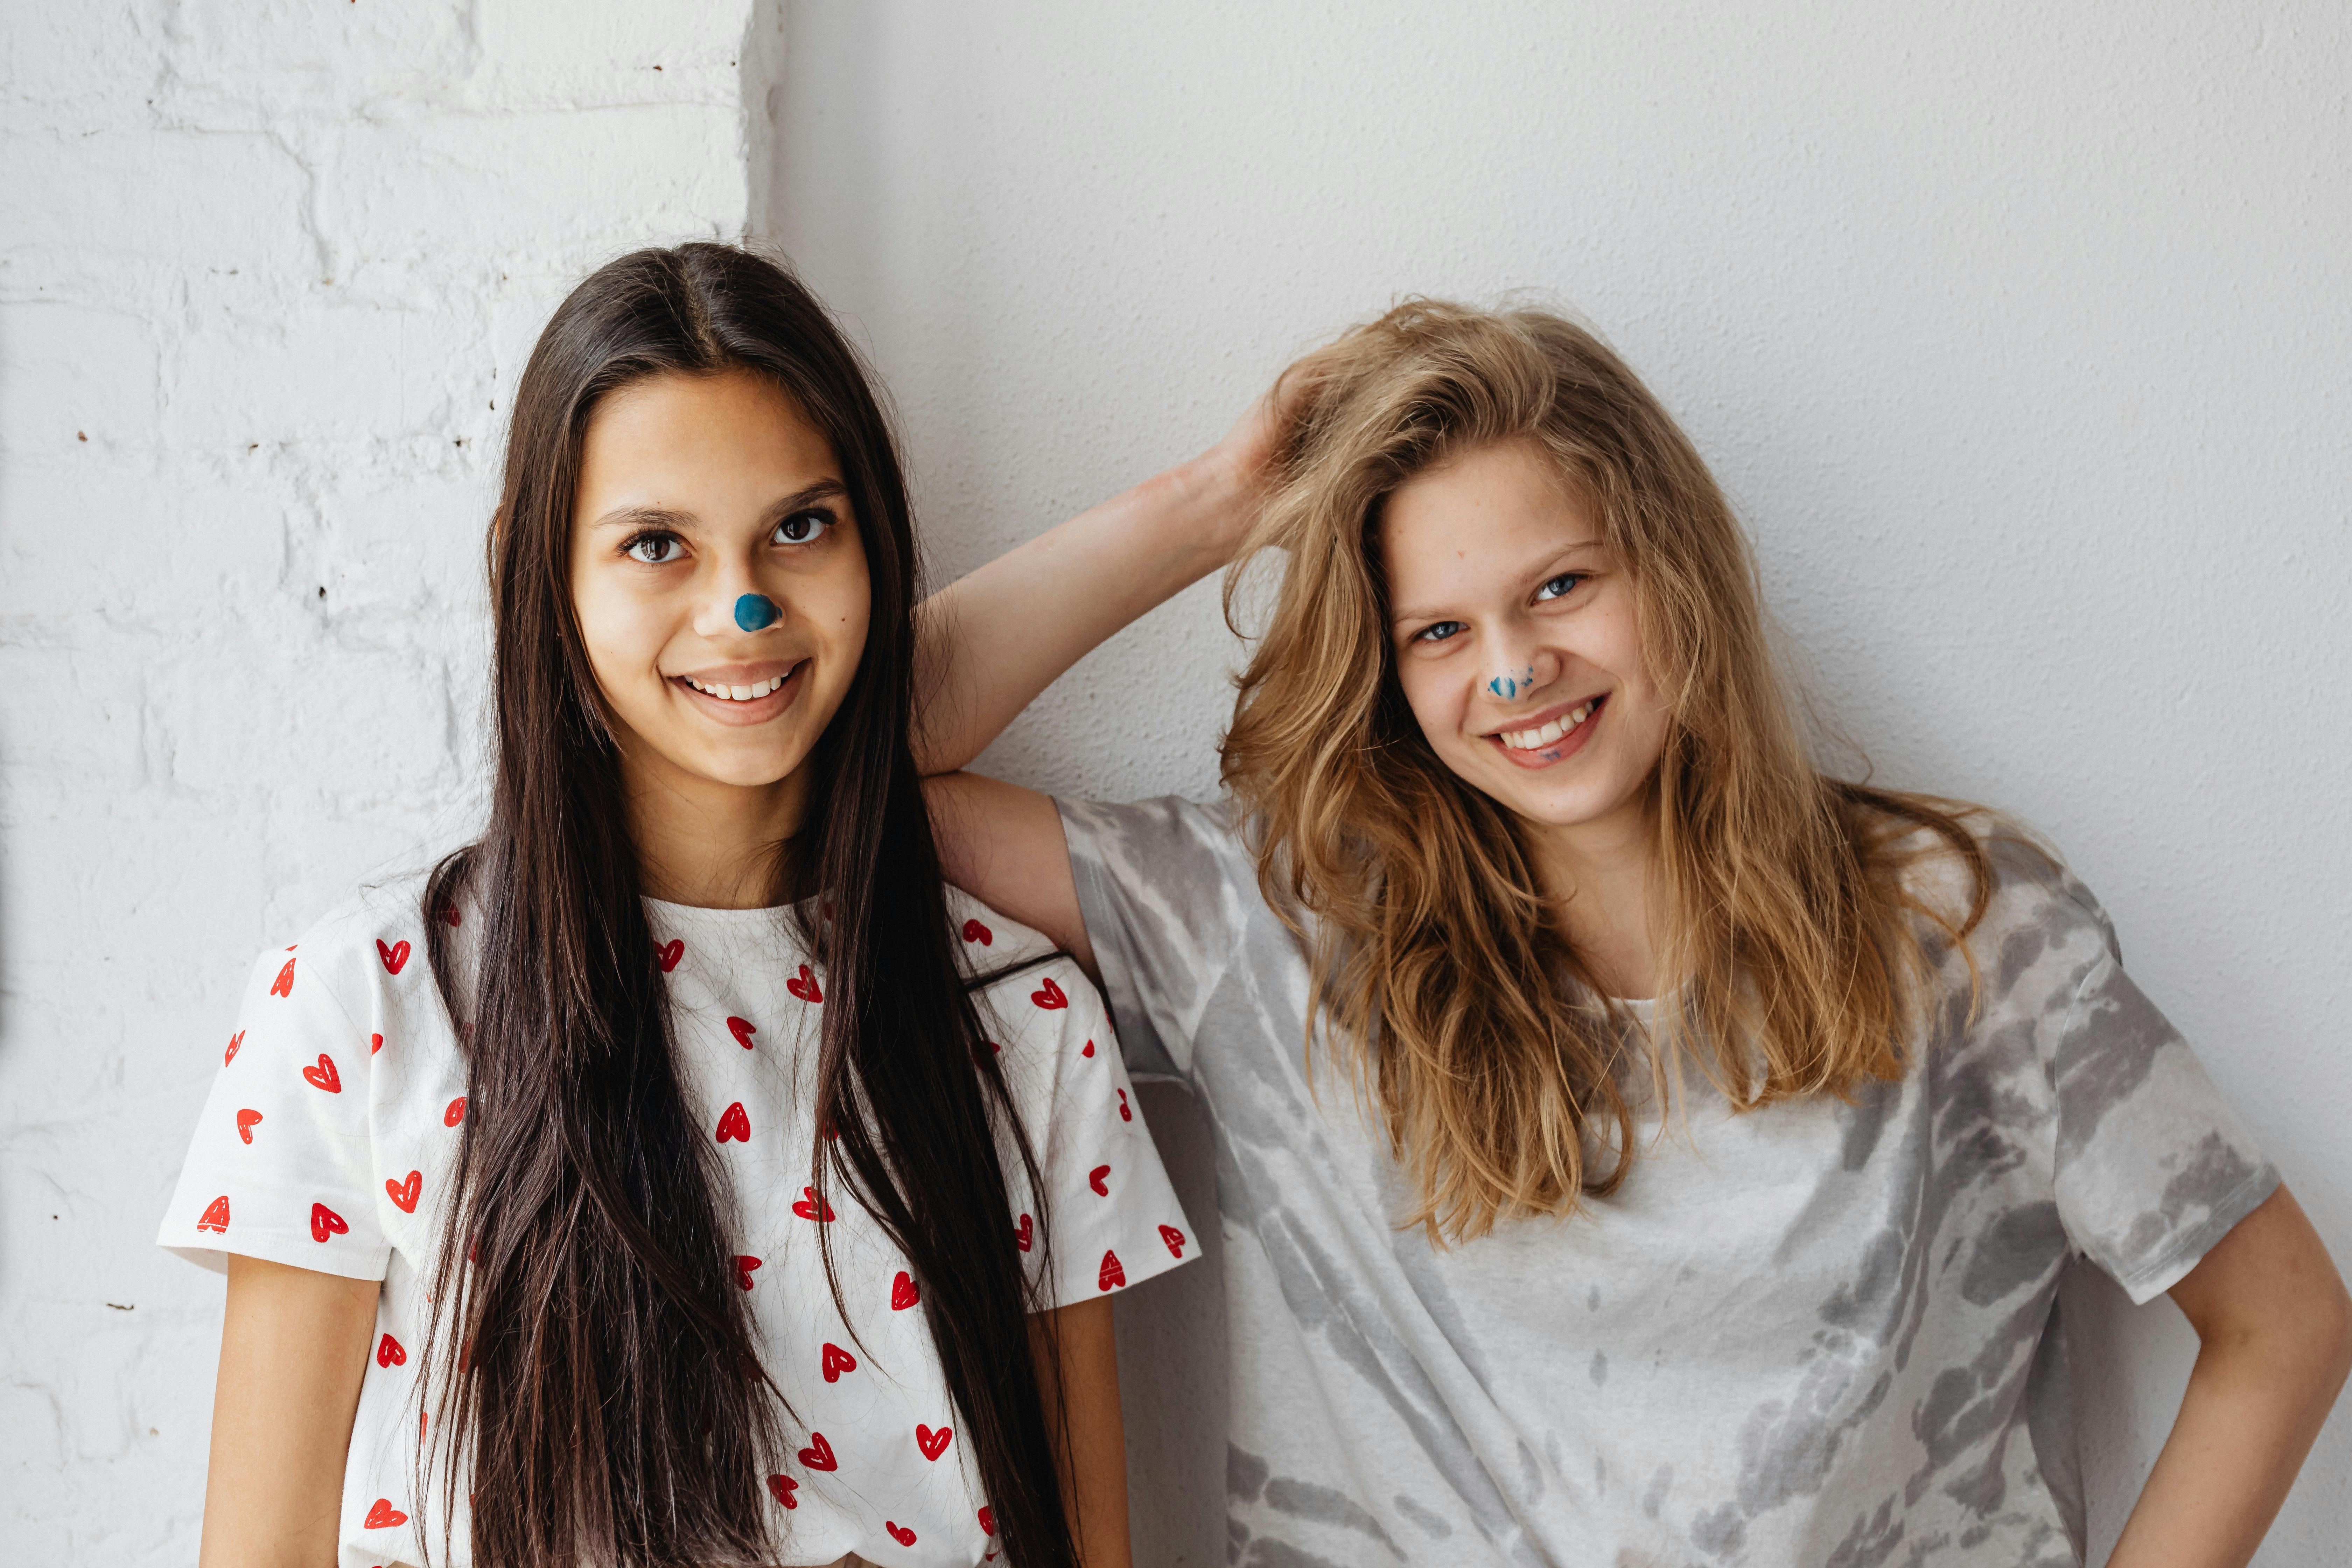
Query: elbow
{"x":2334,"y":1336}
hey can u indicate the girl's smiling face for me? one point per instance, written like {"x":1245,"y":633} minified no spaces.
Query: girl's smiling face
{"x":700,"y":496}
{"x":1516,"y":638}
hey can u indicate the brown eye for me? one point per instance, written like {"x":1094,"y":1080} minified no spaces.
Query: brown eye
{"x":653,"y":549}
{"x":802,"y":528}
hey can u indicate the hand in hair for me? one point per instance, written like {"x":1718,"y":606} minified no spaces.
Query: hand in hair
{"x":990,"y":642}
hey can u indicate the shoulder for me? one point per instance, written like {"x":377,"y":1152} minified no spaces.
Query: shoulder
{"x":1151,"y":831}
{"x":2042,"y":930}
{"x":992,"y":947}
{"x":376,"y":932}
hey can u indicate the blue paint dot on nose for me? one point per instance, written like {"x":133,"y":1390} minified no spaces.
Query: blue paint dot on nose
{"x":755,"y":612}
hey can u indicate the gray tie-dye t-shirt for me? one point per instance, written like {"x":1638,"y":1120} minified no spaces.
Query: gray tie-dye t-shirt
{"x":1815,"y":1334}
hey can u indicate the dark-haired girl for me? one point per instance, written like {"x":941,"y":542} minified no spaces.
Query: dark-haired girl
{"x":679,"y":1174}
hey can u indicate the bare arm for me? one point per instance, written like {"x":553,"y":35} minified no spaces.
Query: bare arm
{"x":1078,"y":1365}
{"x":2275,"y":1332}
{"x":294,"y":1346}
{"x":1004,"y":846}
{"x":989,"y":643}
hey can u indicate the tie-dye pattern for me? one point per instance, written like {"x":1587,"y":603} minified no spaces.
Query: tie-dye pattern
{"x":1822,"y":1335}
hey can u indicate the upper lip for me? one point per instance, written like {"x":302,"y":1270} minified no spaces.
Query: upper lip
{"x":739,"y":674}
{"x":1543,"y":716}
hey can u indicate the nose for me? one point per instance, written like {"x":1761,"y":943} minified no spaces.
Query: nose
{"x":1521,"y":666}
{"x":732,"y":605}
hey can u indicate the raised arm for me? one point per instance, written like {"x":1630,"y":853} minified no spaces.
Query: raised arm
{"x":989,"y":643}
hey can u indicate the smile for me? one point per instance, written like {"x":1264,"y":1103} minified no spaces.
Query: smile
{"x":1544,"y":734}
{"x":765,"y":691}
{"x":752,"y":693}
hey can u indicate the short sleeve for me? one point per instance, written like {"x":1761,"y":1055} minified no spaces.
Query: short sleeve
{"x":1165,"y":887}
{"x":279,"y":1165}
{"x":2152,"y":1167}
{"x":1111,"y":1218}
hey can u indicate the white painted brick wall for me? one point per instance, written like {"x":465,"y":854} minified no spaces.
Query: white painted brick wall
{"x":265,"y":270}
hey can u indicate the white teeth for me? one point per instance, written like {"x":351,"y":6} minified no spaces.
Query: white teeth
{"x":737,"y":693}
{"x":1544,"y":735}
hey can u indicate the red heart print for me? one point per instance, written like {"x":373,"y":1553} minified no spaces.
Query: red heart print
{"x":836,"y":1361}
{"x":1124,"y":1114}
{"x":325,"y":1222}
{"x":395,"y":956}
{"x":743,"y":1267}
{"x":450,"y":914}
{"x":782,"y":1488}
{"x":389,"y":1353}
{"x":324,"y":1076}
{"x":899,"y":1533}
{"x":1112,"y":1275}
{"x":904,"y":1291}
{"x":808,"y":1206}
{"x":284,"y":984}
{"x":1051,"y":996}
{"x":931,"y":1440}
{"x":216,"y":1216}
{"x":1022,"y":1234}
{"x":818,"y":1455}
{"x":403,"y":1194}
{"x":734,"y":1126}
{"x":246,"y":1123}
{"x":375,"y":1044}
{"x":975,"y":931}
{"x":1098,"y":1179}
{"x":1089,"y":1049}
{"x":988,"y":1521}
{"x":383,"y":1516}
{"x":456,"y":1113}
{"x":742,"y":1029}
{"x":669,"y":953}
{"x":804,"y":986}
{"x":235,"y":1041}
{"x":1174,"y":1238}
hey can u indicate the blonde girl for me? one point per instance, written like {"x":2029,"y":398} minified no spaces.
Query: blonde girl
{"x":1636,"y":1144}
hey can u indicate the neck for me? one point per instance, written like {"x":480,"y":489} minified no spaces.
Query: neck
{"x":707,"y":844}
{"x":1598,"y":875}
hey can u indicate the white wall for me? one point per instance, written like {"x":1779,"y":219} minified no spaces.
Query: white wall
{"x":263,"y":270}
{"x":2021,"y":335}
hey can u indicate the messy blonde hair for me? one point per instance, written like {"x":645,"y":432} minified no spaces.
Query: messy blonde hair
{"x":1788,"y":960}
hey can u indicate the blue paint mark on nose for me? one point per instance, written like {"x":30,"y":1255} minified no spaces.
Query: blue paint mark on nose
{"x":756,"y":611}
{"x":1509,"y":686}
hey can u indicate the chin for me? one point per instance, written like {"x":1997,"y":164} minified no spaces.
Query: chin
{"x":748,"y":772}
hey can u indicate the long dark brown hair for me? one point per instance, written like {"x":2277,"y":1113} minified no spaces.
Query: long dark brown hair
{"x":597,"y":1370}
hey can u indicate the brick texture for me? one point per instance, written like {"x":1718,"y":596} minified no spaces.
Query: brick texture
{"x":267,"y":272}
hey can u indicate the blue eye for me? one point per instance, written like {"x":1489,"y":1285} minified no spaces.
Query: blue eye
{"x":1439,"y":632}
{"x":802,"y":528}
{"x":1559,"y":587}
{"x":653,"y":549}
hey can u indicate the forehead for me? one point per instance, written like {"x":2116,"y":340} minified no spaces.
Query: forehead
{"x":1480,"y":522}
{"x":673,"y":438}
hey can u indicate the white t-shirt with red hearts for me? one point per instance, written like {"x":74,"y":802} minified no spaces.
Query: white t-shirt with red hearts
{"x":327,"y":1141}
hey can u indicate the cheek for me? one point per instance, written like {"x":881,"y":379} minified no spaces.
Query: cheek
{"x":1436,"y":702}
{"x":622,"y":633}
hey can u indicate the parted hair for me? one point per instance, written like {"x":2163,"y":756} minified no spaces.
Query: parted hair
{"x":1793,"y":951}
{"x":598,"y":1372}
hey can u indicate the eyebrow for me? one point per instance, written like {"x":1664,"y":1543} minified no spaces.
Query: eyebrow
{"x":667,"y":517}
{"x":1554,"y":560}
